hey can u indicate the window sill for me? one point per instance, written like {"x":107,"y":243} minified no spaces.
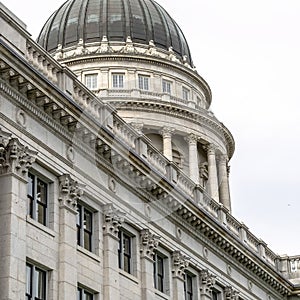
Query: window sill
{"x":88,"y":253}
{"x":40,"y":226}
{"x":162,"y":295}
{"x":128,"y":276}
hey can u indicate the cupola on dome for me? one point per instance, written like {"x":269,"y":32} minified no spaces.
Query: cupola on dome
{"x":89,"y":21}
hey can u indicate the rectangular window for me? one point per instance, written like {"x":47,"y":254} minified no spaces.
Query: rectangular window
{"x":188,"y":286}
{"x":159,"y":272}
{"x":166,"y":86}
{"x":84,"y":227}
{"x":91,"y":81}
{"x":124,"y":251}
{"x":37,"y":198}
{"x":215,"y":295}
{"x":144,"y":82}
{"x":35,"y":283}
{"x":82,"y":294}
{"x":185,"y":94}
{"x":118,"y":81}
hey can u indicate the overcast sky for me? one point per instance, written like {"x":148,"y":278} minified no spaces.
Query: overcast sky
{"x":249,"y":53}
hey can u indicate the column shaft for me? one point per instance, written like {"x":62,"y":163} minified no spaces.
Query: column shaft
{"x":213,"y":188}
{"x":224,"y":192}
{"x":193,"y":158}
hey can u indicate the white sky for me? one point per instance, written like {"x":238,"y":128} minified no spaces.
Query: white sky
{"x":249,"y":53}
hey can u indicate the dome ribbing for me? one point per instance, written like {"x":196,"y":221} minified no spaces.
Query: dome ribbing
{"x":90,"y":20}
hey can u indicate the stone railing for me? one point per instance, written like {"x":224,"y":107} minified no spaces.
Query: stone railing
{"x":42,"y":61}
{"x":106,"y":116}
{"x":289,"y":266}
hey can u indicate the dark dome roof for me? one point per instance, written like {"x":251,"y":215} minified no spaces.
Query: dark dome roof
{"x":90,"y":20}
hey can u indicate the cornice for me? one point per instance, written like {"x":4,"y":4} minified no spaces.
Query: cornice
{"x":179,"y":111}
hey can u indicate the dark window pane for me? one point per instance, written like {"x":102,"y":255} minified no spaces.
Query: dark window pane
{"x":41,"y":214}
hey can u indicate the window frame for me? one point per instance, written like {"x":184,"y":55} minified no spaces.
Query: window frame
{"x":166,"y":86}
{"x":83,"y":292}
{"x":161,"y":285}
{"x":116,"y":81}
{"x":34,"y":282}
{"x":123,"y":256}
{"x":82,"y":231}
{"x":186,"y":93}
{"x":93,"y":84}
{"x":144,"y":82}
{"x":217,"y":293}
{"x":189,"y":279}
{"x":33,"y":203}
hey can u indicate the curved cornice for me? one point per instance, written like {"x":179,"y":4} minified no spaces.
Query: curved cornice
{"x":178,"y":111}
{"x":140,"y":57}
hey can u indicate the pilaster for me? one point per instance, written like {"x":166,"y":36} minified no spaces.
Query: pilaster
{"x":207,"y":282}
{"x":113,"y":219}
{"x":230,"y":293}
{"x":192,"y":140}
{"x":69,"y":193}
{"x":213,"y":189}
{"x":148,"y":244}
{"x":15,"y":160}
{"x":179,"y":264}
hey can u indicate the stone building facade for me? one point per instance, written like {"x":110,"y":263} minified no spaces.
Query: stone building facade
{"x":113,"y":171}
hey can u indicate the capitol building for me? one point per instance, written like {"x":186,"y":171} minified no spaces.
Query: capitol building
{"x":114,"y":173}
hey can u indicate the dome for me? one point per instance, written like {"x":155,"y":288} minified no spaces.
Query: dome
{"x":88,"y":21}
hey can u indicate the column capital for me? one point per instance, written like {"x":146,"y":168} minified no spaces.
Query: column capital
{"x":207,"y":282}
{"x":14,"y":156}
{"x":180,"y":264}
{"x":137,"y":126}
{"x":113,"y":219}
{"x":149,"y":243}
{"x":210,"y":149}
{"x":70,"y":192}
{"x":167,"y":132}
{"x":222,"y":159}
{"x":192,"y":138}
{"x":230,"y":293}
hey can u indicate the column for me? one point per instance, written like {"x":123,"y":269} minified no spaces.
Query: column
{"x":166,"y":133}
{"x":231,"y":294}
{"x":149,"y":243}
{"x":69,"y":194}
{"x":207,"y":281}
{"x":15,"y":160}
{"x":224,"y":192}
{"x":179,"y":265}
{"x":113,"y":218}
{"x":192,"y":140}
{"x":213,"y":188}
